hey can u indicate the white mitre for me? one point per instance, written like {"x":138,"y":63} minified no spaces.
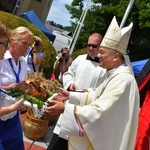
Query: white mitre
{"x":117,"y":39}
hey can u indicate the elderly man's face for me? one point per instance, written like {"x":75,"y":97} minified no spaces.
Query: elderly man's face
{"x":106,"y":58}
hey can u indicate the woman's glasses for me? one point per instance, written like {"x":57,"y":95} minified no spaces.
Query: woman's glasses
{"x":5,"y":43}
{"x":92,"y":45}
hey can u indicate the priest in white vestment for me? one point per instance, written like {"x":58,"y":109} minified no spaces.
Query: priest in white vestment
{"x":105,"y":119}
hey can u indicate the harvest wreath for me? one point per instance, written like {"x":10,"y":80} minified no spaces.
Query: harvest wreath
{"x":37,"y":92}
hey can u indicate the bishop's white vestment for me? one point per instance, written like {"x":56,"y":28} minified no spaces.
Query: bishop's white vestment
{"x":105,"y":119}
{"x":85,"y":74}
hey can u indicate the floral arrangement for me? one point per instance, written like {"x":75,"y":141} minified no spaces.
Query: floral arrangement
{"x":37,"y":92}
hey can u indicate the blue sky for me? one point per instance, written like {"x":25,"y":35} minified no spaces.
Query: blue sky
{"x":58,"y":13}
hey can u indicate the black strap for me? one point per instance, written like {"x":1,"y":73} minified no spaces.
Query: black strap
{"x":31,"y":53}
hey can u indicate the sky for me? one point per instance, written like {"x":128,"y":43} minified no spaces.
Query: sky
{"x":58,"y":13}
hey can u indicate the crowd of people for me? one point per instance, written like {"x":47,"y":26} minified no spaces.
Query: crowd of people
{"x":98,"y":106}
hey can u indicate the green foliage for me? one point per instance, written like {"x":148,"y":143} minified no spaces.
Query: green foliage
{"x":100,"y":15}
{"x":13,"y":21}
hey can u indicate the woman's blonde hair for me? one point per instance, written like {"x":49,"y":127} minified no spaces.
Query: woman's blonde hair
{"x":20,"y":33}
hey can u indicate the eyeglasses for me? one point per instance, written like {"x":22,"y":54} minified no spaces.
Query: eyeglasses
{"x":110,"y":53}
{"x":92,"y":45}
{"x":4,"y":43}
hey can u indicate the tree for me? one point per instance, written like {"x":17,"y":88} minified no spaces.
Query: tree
{"x":100,"y":15}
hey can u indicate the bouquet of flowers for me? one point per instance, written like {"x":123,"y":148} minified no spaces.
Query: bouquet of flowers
{"x":37,"y":92}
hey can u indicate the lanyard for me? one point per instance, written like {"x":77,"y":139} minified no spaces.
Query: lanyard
{"x":16,"y":74}
{"x":3,"y":91}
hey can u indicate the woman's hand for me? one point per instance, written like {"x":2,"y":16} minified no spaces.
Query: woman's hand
{"x":18,"y":105}
{"x":9,"y":86}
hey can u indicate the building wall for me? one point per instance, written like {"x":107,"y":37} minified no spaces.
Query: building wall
{"x":41,"y":7}
{"x":25,"y":6}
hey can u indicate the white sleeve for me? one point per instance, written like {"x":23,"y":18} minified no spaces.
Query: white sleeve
{"x":69,"y":126}
{"x":74,"y":98}
{"x":69,"y":76}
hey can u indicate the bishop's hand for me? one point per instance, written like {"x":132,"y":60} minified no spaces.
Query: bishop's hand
{"x":62,"y":96}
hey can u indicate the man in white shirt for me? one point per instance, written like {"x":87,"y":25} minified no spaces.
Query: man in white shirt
{"x":85,"y":71}
{"x":105,"y":119}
